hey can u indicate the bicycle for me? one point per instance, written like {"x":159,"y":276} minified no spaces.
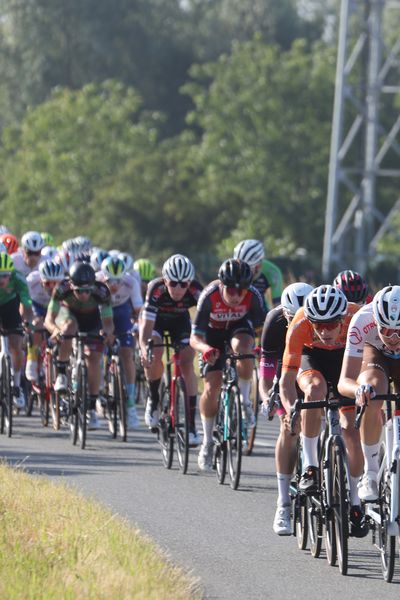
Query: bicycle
{"x":329,"y":504}
{"x":384,"y":513}
{"x":6,"y":382}
{"x":255,"y":401}
{"x":141,"y":390}
{"x":231,"y":431}
{"x":116,"y":396}
{"x":174,"y":423}
{"x":78,"y":393}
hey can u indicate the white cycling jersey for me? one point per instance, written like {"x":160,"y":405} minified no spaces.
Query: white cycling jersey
{"x":21,"y":265}
{"x":36,"y":290}
{"x":129,"y":289}
{"x":362,"y":330}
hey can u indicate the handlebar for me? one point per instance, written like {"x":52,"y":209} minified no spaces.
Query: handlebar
{"x":333,"y":403}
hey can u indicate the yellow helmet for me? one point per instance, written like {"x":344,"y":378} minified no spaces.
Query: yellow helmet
{"x":6,"y":263}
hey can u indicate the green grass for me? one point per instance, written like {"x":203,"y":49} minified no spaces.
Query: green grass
{"x":54,"y":544}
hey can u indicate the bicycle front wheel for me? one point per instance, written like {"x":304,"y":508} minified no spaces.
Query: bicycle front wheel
{"x":82,"y":405}
{"x":122,"y":401}
{"x":330,"y":532}
{"x":220,"y":451}
{"x":7,"y":399}
{"x":166,"y":439}
{"x":340,"y":503}
{"x":386,"y":542}
{"x":182,"y":424}
{"x":255,"y":400}
{"x":234,"y":441}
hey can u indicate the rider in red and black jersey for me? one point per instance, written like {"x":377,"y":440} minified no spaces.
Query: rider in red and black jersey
{"x":229,"y":310}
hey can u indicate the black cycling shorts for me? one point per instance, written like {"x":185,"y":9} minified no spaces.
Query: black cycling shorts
{"x":218,"y":338}
{"x":327,"y":362}
{"x":178,"y":328}
{"x":9,"y":314}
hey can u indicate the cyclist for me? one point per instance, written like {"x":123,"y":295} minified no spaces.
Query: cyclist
{"x":272,"y":348}
{"x":267,"y":277}
{"x":166,"y":308}
{"x":147,"y":272}
{"x":126,"y":301}
{"x":48,"y":239}
{"x":14,"y":303}
{"x":315,"y":343}
{"x":28,"y":257}
{"x":41,"y":284}
{"x":96,"y":258}
{"x":371,"y":360}
{"x":81,"y":303}
{"x":352,"y":285}
{"x":228,"y":311}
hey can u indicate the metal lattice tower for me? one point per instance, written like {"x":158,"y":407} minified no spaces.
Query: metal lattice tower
{"x":365,"y":142}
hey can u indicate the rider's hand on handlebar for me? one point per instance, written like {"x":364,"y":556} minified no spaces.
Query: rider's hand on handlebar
{"x":364,"y":393}
{"x":211,"y":355}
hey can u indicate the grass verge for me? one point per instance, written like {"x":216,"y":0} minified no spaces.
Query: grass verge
{"x":56,"y":544}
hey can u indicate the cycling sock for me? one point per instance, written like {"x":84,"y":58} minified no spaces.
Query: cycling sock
{"x":208,"y":427}
{"x":17,"y":378}
{"x":354,"y":498}
{"x":130,"y":392}
{"x":310,"y":451}
{"x":155,"y":393}
{"x":283,"y":489}
{"x":192,"y":411}
{"x":245,"y":387}
{"x":371,"y":457}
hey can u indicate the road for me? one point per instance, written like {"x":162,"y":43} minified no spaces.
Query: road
{"x":221,"y":536}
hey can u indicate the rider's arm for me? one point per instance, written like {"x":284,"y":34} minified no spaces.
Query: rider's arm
{"x":146,"y":327}
{"x":298,"y":334}
{"x":347,"y":384}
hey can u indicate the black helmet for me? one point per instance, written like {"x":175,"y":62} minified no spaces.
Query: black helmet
{"x":82,"y":273}
{"x":235,"y":273}
{"x":352,"y":285}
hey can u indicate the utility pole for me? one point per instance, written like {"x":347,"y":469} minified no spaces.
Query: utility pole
{"x":367,"y":70}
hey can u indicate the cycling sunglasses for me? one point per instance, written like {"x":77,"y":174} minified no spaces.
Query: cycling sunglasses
{"x":113,"y":281}
{"x":232,"y":291}
{"x":327,"y":325}
{"x":33,"y":252}
{"x":388,"y":332}
{"x":174,"y":284}
{"x":83,"y":290}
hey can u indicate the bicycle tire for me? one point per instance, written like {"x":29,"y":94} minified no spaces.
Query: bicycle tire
{"x":44,"y":407}
{"x":255,"y":400}
{"x":340,"y":503}
{"x":112,"y":403}
{"x":235,"y":437}
{"x":386,"y":543}
{"x":82,"y":406}
{"x":166,"y":440}
{"x":122,"y":404}
{"x":55,"y":409}
{"x":31,"y":397}
{"x":300,"y":515}
{"x":73,"y":416}
{"x":181,"y":409}
{"x":315,"y":528}
{"x":330,"y":533}
{"x":7,"y":396}
{"x":220,"y":450}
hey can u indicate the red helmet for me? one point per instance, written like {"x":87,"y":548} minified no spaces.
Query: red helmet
{"x":10,"y":242}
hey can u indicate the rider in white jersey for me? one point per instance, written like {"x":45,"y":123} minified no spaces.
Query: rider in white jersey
{"x":28,"y":257}
{"x":128,"y":289}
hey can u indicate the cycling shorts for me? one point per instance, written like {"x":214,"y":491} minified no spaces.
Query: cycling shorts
{"x":178,"y":327}
{"x":38,"y":309}
{"x":123,"y":324}
{"x":90,"y":323}
{"x":9,"y":314}
{"x":326,"y":362}
{"x":218,"y":338}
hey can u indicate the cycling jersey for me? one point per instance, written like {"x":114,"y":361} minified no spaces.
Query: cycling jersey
{"x":37,"y":292}
{"x":214,"y":313}
{"x":363,"y":330}
{"x":270,"y":276}
{"x":16,"y":286}
{"x":99,"y":300}
{"x":159,"y":303}
{"x":128,"y":290}
{"x":301,"y":334}
{"x":20,"y":264}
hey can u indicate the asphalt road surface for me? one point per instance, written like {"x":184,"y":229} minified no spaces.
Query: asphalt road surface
{"x":222,"y":537}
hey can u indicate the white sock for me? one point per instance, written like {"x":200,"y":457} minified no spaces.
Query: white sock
{"x":208,"y":426}
{"x":245,"y":387}
{"x":371,"y":457}
{"x":354,"y":498}
{"x":310,"y":451}
{"x":283,"y":489}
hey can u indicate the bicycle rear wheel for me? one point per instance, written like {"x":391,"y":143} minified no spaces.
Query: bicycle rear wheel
{"x":220,"y":450}
{"x":300,"y":514}
{"x":340,"y":503}
{"x":255,"y":400}
{"x":122,"y":401}
{"x":82,"y":405}
{"x":330,"y":533}
{"x":7,"y":399}
{"x":182,"y":424}
{"x":166,"y":440}
{"x":386,"y":542}
{"x":235,"y":439}
{"x":314,"y":527}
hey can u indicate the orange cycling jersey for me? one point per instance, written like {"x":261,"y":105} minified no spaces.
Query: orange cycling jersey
{"x":301,"y":333}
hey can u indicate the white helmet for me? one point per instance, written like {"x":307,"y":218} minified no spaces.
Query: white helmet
{"x":49,"y":252}
{"x":251,"y":251}
{"x":4,"y":229}
{"x":83,"y":243}
{"x":293,"y":296}
{"x":386,"y":307}
{"x":33,"y":241}
{"x":114,"y":253}
{"x":325,"y":303}
{"x":51,"y":271}
{"x":65,"y":259}
{"x":97,"y":257}
{"x":128,"y":260}
{"x":178,"y":268}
